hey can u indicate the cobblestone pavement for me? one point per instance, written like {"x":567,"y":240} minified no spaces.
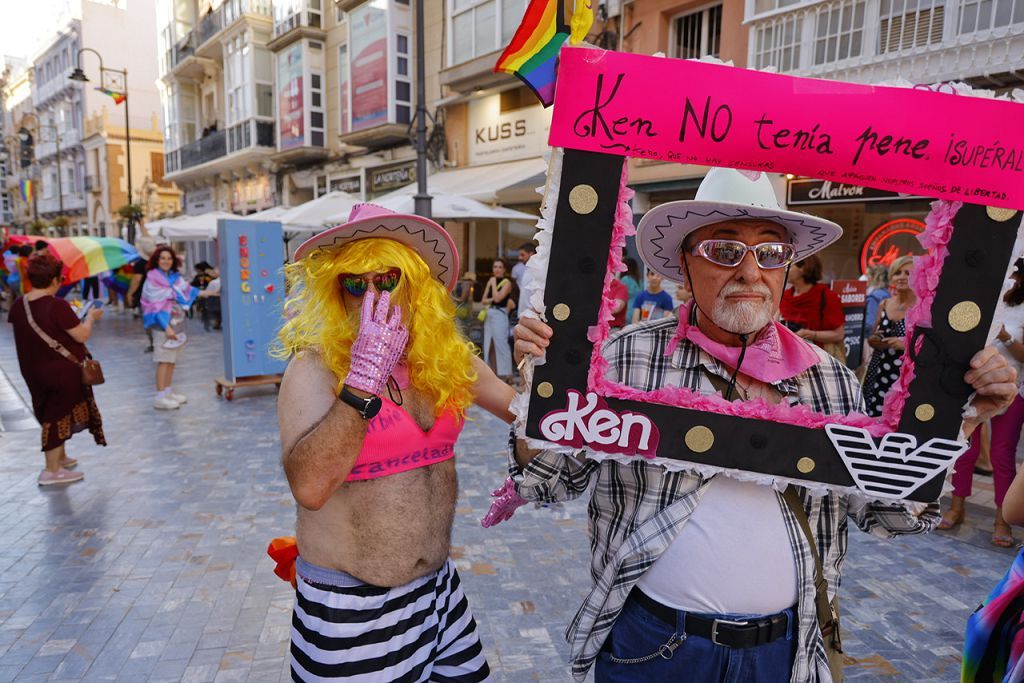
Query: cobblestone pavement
{"x":153,"y":568}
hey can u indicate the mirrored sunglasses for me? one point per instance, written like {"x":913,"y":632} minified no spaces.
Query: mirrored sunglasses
{"x":730,"y":253}
{"x":357,"y":284}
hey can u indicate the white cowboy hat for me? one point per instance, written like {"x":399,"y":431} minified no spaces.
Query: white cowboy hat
{"x":725,"y":193}
{"x":428,"y":239}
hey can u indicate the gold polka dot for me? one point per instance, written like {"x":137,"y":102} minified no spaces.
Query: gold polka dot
{"x":1000,"y":215}
{"x":560,"y":311}
{"x":965,"y":316}
{"x":545,"y":390}
{"x":583,"y":199}
{"x":805,"y":465}
{"x":699,"y":439}
{"x":924,"y":412}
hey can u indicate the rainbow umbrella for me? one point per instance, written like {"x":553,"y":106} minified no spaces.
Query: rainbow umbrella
{"x":84,"y":256}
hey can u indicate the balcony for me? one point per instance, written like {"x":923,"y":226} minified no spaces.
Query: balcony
{"x":236,"y":143}
{"x":210,"y":25}
{"x":236,"y":9}
{"x":295,"y":25}
{"x":224,"y":17}
{"x":874,"y":41}
{"x":213,"y":146}
{"x":251,"y":133}
{"x":72,"y":203}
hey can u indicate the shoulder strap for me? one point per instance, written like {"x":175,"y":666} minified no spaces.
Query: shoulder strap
{"x":50,"y":341}
{"x":826,"y":616}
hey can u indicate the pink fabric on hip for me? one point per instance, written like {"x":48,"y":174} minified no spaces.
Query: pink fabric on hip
{"x":395,"y":443}
{"x":776,"y":354}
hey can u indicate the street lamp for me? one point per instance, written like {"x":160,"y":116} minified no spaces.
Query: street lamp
{"x":421,"y":199}
{"x":117,"y":81}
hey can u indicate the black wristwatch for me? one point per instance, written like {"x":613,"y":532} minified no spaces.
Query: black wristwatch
{"x":367,"y":407}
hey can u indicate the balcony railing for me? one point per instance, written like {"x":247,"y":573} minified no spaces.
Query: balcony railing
{"x":234,"y":9}
{"x":183,"y":50}
{"x":251,"y":133}
{"x":284,"y":23}
{"x":209,"y":25}
{"x":876,"y":40}
{"x":211,"y":147}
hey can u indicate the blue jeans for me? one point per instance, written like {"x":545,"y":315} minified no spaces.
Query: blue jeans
{"x":637,"y":634}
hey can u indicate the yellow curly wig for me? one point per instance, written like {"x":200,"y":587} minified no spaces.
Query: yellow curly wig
{"x":438,"y":356}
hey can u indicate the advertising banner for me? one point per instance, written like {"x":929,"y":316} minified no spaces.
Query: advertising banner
{"x":368,"y":51}
{"x":853,"y":295}
{"x":289,"y":108}
{"x":915,"y":141}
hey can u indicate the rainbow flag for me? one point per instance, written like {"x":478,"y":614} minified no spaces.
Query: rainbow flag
{"x":119,"y":97}
{"x":26,"y":191}
{"x":532,"y":54}
{"x":85,"y":256}
{"x":994,"y":642}
{"x":120,"y":280}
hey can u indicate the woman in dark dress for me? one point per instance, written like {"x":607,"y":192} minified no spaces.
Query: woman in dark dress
{"x":62,"y":404}
{"x":888,"y":337}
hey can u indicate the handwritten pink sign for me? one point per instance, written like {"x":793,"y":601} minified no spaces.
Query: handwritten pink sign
{"x":910,"y":140}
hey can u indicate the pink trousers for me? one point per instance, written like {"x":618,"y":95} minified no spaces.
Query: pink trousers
{"x":1005,"y":434}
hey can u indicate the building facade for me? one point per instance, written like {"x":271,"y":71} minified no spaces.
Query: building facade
{"x":77,"y":190}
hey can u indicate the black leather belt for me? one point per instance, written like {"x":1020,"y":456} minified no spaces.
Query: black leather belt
{"x":737,"y":634}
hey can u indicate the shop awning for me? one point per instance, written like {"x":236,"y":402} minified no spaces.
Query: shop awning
{"x":448,"y":207}
{"x":274,"y":213}
{"x":314,"y":214}
{"x":186,"y":228}
{"x":482,"y":183}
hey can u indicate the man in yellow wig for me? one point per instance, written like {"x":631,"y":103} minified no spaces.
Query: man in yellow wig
{"x":369,"y":411}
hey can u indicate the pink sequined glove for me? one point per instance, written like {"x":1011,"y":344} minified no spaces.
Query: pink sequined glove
{"x":507,"y":501}
{"x":379,"y":345}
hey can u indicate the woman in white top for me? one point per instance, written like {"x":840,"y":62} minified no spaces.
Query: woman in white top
{"x":1005,"y":428}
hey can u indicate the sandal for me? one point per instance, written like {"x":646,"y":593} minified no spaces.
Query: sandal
{"x":951,"y":520}
{"x":1003,"y":540}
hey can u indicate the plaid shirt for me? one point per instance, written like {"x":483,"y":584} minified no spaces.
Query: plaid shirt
{"x":637,"y":510}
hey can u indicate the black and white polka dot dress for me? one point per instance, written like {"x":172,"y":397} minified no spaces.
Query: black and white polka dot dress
{"x":884,"y":368}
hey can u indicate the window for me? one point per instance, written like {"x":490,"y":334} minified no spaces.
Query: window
{"x":321,"y":185}
{"x":777,"y":43}
{"x":478,"y":27}
{"x":263,"y":64}
{"x":403,"y":84}
{"x":698,"y":34}
{"x":339,"y":15}
{"x":840,"y":32}
{"x":984,"y":15}
{"x":316,"y":109}
{"x":237,"y":79}
{"x":343,"y":124}
{"x":906,"y":24}
{"x":762,"y":6}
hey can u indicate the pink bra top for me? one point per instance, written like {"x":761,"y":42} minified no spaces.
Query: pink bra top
{"x":395,"y":443}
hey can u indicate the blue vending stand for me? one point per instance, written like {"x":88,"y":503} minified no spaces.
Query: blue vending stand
{"x":252,"y":300}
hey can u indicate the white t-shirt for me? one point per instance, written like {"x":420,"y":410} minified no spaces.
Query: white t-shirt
{"x":732,"y":556}
{"x":213,"y":287}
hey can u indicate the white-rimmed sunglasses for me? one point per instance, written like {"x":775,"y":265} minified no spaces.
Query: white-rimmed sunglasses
{"x":730,"y":253}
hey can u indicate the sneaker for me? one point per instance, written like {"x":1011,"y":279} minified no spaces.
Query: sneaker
{"x":178,"y":398}
{"x":61,"y":476}
{"x":165,"y":403}
{"x":69,"y":463}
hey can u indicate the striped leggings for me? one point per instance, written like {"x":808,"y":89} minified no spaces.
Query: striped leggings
{"x":344,"y":629}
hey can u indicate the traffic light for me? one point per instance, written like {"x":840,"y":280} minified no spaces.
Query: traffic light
{"x":27,"y":149}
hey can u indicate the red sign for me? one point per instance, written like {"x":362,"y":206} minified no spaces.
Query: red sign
{"x":889,"y":241}
{"x":852,"y":293}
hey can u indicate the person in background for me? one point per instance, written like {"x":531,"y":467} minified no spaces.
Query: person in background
{"x":526,"y":252}
{"x":631,"y":278}
{"x":878,"y":291}
{"x":202,"y":276}
{"x":462,"y":297}
{"x":165,"y":295}
{"x":41,"y":245}
{"x":145,"y":245}
{"x":61,"y":403}
{"x":497,"y":294}
{"x":618,"y":293}
{"x":1005,"y":428}
{"x":24,"y":253}
{"x":887,"y":338}
{"x":91,"y":288}
{"x":210,"y":298}
{"x":812,"y":309}
{"x":652,"y":303}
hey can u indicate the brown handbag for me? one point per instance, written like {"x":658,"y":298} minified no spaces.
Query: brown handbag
{"x":92,"y":373}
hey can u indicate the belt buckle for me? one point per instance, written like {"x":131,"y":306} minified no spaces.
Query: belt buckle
{"x":718,"y":622}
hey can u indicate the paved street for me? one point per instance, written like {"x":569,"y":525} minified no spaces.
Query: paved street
{"x":154,"y":568}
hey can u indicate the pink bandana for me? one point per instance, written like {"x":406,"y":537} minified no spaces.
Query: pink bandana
{"x":775,"y":355}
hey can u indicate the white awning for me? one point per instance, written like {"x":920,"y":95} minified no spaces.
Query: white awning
{"x":185,"y":228}
{"x":482,"y":183}
{"x":311,"y":216}
{"x":448,"y":207}
{"x":274,"y":213}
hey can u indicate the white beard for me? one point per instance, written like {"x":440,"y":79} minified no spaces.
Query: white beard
{"x":742,"y":317}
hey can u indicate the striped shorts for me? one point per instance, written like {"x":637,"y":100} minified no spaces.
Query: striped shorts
{"x":345,"y":629}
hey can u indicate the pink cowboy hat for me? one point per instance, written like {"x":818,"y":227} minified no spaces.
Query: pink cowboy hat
{"x":428,"y":239}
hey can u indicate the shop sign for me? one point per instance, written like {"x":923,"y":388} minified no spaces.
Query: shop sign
{"x":496,"y":136}
{"x":351,"y":184}
{"x":853,"y":296}
{"x":251,"y":194}
{"x":890,"y":241}
{"x":392,"y":177}
{"x":199,"y":201}
{"x":802,"y":192}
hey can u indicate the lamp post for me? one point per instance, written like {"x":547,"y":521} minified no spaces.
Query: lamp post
{"x":421,"y":199}
{"x":116,"y":80}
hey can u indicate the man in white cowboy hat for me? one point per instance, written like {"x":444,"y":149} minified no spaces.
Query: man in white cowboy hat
{"x":709,"y":578}
{"x":369,"y":410}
